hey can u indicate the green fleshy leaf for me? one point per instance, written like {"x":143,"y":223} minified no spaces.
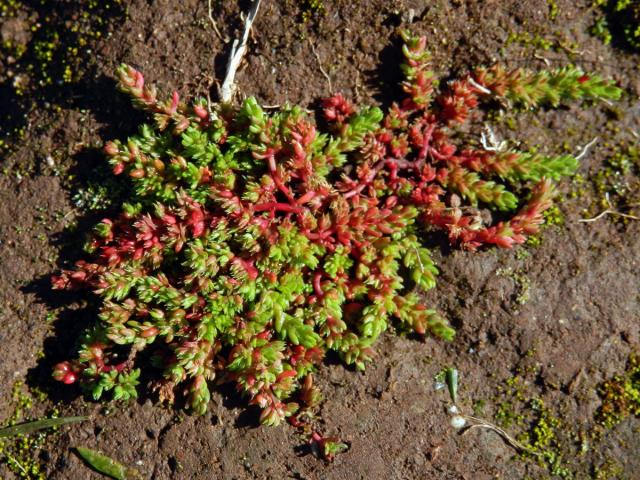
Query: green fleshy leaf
{"x":105,"y":465}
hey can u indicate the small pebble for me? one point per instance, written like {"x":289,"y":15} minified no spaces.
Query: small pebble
{"x":458,"y":422}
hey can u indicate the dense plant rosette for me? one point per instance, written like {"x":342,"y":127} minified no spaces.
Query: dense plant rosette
{"x":256,"y":242}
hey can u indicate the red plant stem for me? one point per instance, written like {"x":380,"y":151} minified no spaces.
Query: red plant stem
{"x":317,"y":286}
{"x":426,"y":139}
{"x":282,"y":187}
{"x":271,"y":161}
{"x":118,"y":367}
{"x":366,"y":181}
{"x":277,"y":207}
{"x":310,"y":195}
{"x":437,"y":154}
{"x":355,"y":191}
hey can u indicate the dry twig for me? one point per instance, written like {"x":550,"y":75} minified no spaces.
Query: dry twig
{"x":213,"y":23}
{"x":512,"y":442}
{"x":586,"y":148}
{"x":610,"y":211}
{"x":326,"y":75}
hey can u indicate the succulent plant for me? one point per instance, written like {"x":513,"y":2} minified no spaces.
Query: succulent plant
{"x":255,"y":242}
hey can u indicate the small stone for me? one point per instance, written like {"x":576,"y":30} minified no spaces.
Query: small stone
{"x":458,"y":422}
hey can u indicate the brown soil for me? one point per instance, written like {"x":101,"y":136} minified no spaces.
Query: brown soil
{"x":560,"y":318}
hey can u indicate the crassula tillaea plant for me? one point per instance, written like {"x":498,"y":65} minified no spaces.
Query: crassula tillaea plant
{"x":256,"y":242}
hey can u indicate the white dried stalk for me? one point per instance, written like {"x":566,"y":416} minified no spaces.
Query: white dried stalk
{"x":238,"y":50}
{"x":586,"y":148}
{"x":490,"y":142}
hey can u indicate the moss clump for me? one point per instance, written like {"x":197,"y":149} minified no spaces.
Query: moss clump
{"x":578,"y":186}
{"x":522,"y":283}
{"x":511,"y":395}
{"x":617,"y":15}
{"x":534,"y":241}
{"x":554,"y":216}
{"x":98,"y":195}
{"x":620,"y":395}
{"x":609,"y":469}
{"x":543,"y":440}
{"x":527,"y":39}
{"x":307,"y":13}
{"x":58,"y":35}
{"x":537,"y":41}
{"x":616,"y":183}
{"x":541,"y":430}
{"x":555,"y":441}
{"x":553,"y":9}
{"x":311,"y":9}
{"x":52,"y":48}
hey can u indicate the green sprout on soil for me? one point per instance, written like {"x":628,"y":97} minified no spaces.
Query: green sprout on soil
{"x":96,"y":196}
{"x":465,"y":423}
{"x":254,"y":243}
